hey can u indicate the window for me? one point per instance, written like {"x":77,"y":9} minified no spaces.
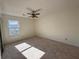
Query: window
{"x":13,"y":26}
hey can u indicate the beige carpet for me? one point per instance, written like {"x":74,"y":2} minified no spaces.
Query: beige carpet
{"x":52,"y":49}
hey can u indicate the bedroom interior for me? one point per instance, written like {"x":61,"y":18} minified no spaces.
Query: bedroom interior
{"x":39,"y":29}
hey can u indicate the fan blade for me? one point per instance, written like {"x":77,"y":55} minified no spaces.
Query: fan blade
{"x":34,"y":16}
{"x":31,"y":16}
{"x":29,"y":13}
{"x":37,"y":14}
{"x":24,"y":14}
{"x":37,"y":10}
{"x":30,"y":9}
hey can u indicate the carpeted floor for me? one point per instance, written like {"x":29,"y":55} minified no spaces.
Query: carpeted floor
{"x":53,"y":49}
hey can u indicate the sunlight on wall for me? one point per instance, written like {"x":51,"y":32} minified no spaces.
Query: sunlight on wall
{"x":29,"y":52}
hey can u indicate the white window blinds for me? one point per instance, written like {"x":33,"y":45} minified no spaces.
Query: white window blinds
{"x":14,"y":27}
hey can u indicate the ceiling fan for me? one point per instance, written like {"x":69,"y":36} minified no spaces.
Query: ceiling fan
{"x":33,"y":13}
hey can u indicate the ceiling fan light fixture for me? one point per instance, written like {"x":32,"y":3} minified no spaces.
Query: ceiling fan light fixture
{"x":33,"y":13}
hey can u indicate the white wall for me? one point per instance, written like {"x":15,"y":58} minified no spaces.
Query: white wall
{"x":1,"y":8}
{"x":56,"y":26}
{"x":26,"y":28}
{"x":60,"y":26}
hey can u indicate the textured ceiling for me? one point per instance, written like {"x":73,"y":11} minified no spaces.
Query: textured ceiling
{"x":17,"y":7}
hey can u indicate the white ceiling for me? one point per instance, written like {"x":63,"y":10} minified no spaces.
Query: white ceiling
{"x":17,"y":7}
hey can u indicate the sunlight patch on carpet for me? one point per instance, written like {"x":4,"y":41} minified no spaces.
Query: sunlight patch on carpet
{"x":21,"y":47}
{"x":33,"y":53}
{"x":29,"y":51}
